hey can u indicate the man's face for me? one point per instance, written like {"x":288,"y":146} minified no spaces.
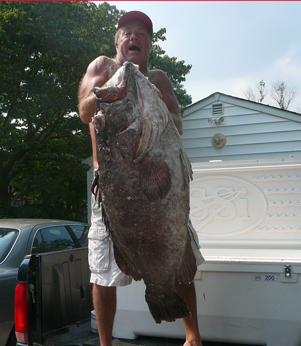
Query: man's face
{"x":134,"y":43}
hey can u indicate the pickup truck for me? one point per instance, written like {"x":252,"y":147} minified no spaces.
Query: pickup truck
{"x":247,"y":216}
{"x":53,"y":299}
{"x":53,"y":303}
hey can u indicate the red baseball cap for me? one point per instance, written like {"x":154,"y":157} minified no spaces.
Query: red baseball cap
{"x":139,"y":16}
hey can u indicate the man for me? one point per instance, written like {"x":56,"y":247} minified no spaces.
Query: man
{"x":133,"y":43}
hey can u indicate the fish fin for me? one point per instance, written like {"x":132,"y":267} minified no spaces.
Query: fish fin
{"x":155,"y":178}
{"x":124,"y":265}
{"x":153,"y":124}
{"x":187,"y":168}
{"x":105,"y":219}
{"x":188,"y":268}
{"x":167,"y":307}
{"x":95,"y":188}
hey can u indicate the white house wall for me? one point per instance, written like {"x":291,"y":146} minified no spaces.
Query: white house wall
{"x":250,"y":133}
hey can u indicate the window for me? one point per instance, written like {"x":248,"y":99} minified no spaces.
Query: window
{"x":81,"y":233}
{"x":8,"y":237}
{"x":38,"y":244}
{"x":52,"y":239}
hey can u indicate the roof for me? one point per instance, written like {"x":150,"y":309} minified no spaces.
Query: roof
{"x":24,"y":223}
{"x":260,"y":107}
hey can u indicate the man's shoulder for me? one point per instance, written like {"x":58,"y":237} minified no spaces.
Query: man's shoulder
{"x":101,"y":62}
{"x":157,"y":73}
{"x":102,"y":66}
{"x":159,"y":78}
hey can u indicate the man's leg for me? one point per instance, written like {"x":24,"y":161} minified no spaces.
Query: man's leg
{"x":104,"y":299}
{"x":187,"y":292}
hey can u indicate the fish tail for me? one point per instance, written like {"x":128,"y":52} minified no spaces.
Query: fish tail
{"x":167,"y":307}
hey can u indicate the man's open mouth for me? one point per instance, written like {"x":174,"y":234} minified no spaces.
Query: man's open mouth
{"x":134,"y":48}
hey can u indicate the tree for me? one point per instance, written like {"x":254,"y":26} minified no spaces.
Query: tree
{"x":259,"y":94}
{"x":45,"y":49}
{"x":280,"y":92}
{"x":283,"y":94}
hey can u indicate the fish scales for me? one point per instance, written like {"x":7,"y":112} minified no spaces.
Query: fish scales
{"x":143,"y":178}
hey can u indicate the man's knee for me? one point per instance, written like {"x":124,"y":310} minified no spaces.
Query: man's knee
{"x":104,"y":291}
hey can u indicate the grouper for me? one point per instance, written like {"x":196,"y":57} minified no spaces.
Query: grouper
{"x":143,"y":183}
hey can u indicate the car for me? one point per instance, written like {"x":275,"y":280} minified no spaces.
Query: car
{"x":21,"y":237}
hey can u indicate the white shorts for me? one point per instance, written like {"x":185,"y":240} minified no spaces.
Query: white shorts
{"x":104,"y":269}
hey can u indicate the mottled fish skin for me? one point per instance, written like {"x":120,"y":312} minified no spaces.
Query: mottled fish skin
{"x":144,"y":177}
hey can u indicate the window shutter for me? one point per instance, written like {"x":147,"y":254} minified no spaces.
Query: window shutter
{"x":217,"y":109}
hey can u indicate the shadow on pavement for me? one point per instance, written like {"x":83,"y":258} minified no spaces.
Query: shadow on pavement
{"x":155,"y":341}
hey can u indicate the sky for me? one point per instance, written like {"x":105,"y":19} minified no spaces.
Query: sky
{"x":231,"y":45}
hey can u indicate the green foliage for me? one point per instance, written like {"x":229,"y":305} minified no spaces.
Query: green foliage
{"x":44,"y":52}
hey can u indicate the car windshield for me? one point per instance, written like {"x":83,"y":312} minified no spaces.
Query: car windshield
{"x":7,"y":240}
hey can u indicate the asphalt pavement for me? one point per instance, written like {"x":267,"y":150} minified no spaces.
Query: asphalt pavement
{"x":84,"y":337}
{"x":155,"y":341}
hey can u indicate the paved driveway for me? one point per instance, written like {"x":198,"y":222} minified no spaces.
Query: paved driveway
{"x":151,"y":341}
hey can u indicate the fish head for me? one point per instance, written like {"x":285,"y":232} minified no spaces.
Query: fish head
{"x":122,"y":83}
{"x":117,"y":105}
{"x":135,"y":115}
{"x":118,"y":114}
{"x":130,"y":75}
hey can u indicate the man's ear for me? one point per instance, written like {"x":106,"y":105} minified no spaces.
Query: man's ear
{"x":116,"y":45}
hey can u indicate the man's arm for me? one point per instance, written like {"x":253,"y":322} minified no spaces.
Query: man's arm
{"x":96,"y":75}
{"x":94,"y":151}
{"x":172,"y":104}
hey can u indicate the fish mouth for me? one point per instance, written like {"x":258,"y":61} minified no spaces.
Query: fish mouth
{"x":134,"y":48}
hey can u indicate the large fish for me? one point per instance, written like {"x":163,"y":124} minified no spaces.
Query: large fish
{"x":144,"y":177}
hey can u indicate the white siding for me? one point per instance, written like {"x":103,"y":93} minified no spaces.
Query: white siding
{"x":252,"y":130}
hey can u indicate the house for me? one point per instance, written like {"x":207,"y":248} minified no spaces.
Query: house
{"x":224,"y":127}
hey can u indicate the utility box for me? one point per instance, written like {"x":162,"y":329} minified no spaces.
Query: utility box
{"x":248,"y":218}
